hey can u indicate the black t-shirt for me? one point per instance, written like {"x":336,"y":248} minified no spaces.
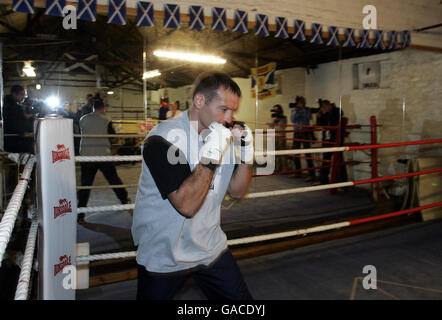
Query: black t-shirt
{"x":168,"y":177}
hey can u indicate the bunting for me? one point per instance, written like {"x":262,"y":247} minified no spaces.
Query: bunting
{"x":26,"y":6}
{"x":172,"y":16}
{"x":349,"y":38}
{"x":145,"y":14}
{"x":262,"y":25}
{"x":333,"y":36}
{"x":241,"y":22}
{"x":316,"y":34}
{"x":55,"y":7}
{"x":196,"y":14}
{"x":219,"y":19}
{"x":117,"y":12}
{"x":299,"y":30}
{"x":282,"y":31}
{"x":87,"y":10}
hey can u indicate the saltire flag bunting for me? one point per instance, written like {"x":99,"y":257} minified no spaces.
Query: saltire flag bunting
{"x":87,"y":10}
{"x":145,"y":14}
{"x":299,"y":33}
{"x":281,"y":28}
{"x":405,"y":38}
{"x":392,"y":37}
{"x":364,"y":41}
{"x":379,"y":40}
{"x":196,"y":14}
{"x":316,"y":33}
{"x":333,"y":36}
{"x":219,"y":20}
{"x":349,"y":38}
{"x":55,"y":7}
{"x":117,"y":12}
{"x":241,"y":22}
{"x":172,"y":16}
{"x":26,"y":6}
{"x":264,"y":78}
{"x":76,"y":66}
{"x":262,"y":25}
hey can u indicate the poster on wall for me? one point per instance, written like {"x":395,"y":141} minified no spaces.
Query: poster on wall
{"x":263,"y":81}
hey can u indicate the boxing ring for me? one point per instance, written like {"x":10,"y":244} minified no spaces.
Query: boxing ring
{"x":55,"y":224}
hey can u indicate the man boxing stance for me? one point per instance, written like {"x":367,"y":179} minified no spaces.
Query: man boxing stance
{"x":176,"y":222}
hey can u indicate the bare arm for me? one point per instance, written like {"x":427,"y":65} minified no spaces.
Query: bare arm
{"x":239,"y":184}
{"x":189,"y":197}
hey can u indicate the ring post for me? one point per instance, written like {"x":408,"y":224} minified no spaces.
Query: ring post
{"x":374,"y":157}
{"x":57,"y":208}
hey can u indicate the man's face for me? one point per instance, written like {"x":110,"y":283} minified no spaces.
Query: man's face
{"x":19,"y":97}
{"x":326,"y":107}
{"x":220,"y":109}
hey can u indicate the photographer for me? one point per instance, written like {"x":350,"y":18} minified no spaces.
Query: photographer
{"x":302,"y":116}
{"x":278,"y":117}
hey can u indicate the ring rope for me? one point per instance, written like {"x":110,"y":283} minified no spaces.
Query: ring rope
{"x":23,"y":281}
{"x":261,"y":238}
{"x":112,"y":186}
{"x":8,"y":220}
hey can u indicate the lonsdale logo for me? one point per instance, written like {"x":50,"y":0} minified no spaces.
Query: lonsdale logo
{"x":61,"y":154}
{"x":65,"y":207}
{"x":64,"y":261}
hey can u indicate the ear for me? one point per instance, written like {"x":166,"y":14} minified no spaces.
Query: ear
{"x":199,"y":100}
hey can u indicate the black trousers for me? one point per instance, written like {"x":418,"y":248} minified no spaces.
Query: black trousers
{"x":324,"y":172}
{"x":220,"y":281}
{"x":305,"y":145}
{"x":88,"y":172}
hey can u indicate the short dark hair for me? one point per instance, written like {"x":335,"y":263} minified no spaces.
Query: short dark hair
{"x":17,"y":89}
{"x":208,"y":82}
{"x":98,"y":104}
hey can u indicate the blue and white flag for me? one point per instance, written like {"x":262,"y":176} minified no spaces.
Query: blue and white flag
{"x":145,"y":14}
{"x":299,"y":30}
{"x":349,"y":38}
{"x":241,"y":22}
{"x":55,"y":7}
{"x":333,"y":36}
{"x":117,"y":12}
{"x":219,"y":20}
{"x":316,"y":34}
{"x":196,"y":14}
{"x":87,"y":10}
{"x":262,"y":25}
{"x":172,"y":16}
{"x":379,"y":40}
{"x":75,"y":66}
{"x":405,"y":38}
{"x":392,"y":38}
{"x":282,"y":30}
{"x":26,"y":6}
{"x":364,"y":41}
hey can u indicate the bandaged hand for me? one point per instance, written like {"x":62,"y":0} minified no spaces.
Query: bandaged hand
{"x":243,"y":141}
{"x":215,"y":143}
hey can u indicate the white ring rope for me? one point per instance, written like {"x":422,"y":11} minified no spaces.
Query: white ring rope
{"x":23,"y":281}
{"x":117,"y":207}
{"x":8,"y":220}
{"x":107,"y":158}
{"x":111,"y":186}
{"x":233,"y":242}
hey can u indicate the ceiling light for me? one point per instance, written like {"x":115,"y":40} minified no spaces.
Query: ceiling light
{"x":29,"y":70}
{"x":38,"y":86}
{"x":110,"y":92}
{"x":193,"y":57}
{"x":151,"y":74}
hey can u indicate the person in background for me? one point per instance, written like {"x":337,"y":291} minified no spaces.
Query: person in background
{"x":302,"y":116}
{"x":96,"y":123}
{"x":174,"y":110}
{"x":279,"y":120}
{"x":330,"y":115}
{"x":164,"y":108}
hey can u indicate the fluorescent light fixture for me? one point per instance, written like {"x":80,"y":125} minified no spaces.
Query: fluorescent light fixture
{"x":193,"y":57}
{"x":38,"y":86}
{"x":151,"y":74}
{"x":29,"y":70}
{"x":110,"y":92}
{"x":52,"y":102}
